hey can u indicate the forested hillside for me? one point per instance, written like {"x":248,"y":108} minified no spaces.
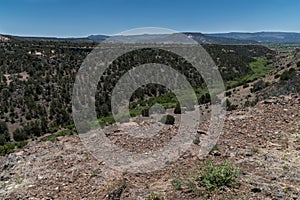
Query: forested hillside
{"x":36,"y":80}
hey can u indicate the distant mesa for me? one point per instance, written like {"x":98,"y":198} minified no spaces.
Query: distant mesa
{"x":263,"y":37}
{"x":215,"y":38}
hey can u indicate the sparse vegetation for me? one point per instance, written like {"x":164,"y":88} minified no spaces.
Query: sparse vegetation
{"x":95,"y":172}
{"x":176,"y":183}
{"x":218,"y":176}
{"x":145,"y":112}
{"x":18,"y":180}
{"x":286,"y":75}
{"x":4,"y":135}
{"x":245,"y":85}
{"x":228,"y":93}
{"x":7,"y":149}
{"x":251,"y":103}
{"x":196,"y":141}
{"x":259,"y":85}
{"x":155,"y":196}
{"x":230,"y":106}
{"x":205,"y":98}
{"x":285,"y":167}
{"x":53,"y":137}
{"x":21,"y":144}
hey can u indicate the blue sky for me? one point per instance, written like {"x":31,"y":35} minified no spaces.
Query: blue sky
{"x":84,"y":17}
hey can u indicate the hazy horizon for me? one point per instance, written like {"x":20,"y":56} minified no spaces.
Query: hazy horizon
{"x":66,"y":18}
{"x":95,"y":34}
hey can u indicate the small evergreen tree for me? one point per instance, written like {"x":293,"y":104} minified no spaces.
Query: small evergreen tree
{"x":145,"y":112}
{"x":177,"y":109}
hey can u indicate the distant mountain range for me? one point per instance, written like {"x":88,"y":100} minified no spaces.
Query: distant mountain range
{"x":262,"y":37}
{"x":217,"y":38}
{"x":211,"y":39}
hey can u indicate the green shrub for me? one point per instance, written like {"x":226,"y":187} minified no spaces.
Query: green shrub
{"x":176,"y":184}
{"x":53,"y":137}
{"x":145,"y":112}
{"x":22,"y":144}
{"x":20,"y":135}
{"x":204,"y":99}
{"x":3,"y":127}
{"x":286,"y":75}
{"x":228,"y":93}
{"x":218,"y":176}
{"x":155,"y":196}
{"x":196,"y":141}
{"x":245,"y":85}
{"x":4,"y":138}
{"x":7,"y":149}
{"x":33,"y":128}
{"x":53,"y":127}
{"x":250,"y":103}
{"x":2,"y":151}
{"x":259,"y":85}
{"x":4,"y":135}
{"x":168,"y":119}
{"x":230,"y":106}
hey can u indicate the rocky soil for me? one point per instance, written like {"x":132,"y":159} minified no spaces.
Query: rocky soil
{"x":263,"y":141}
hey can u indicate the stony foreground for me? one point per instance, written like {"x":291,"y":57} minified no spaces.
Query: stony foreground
{"x":263,"y":141}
